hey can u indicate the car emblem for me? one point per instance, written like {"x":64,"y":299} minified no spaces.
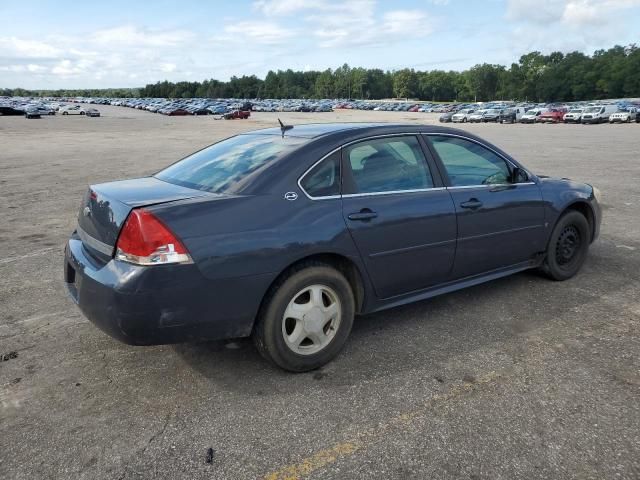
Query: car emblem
{"x":291,"y":196}
{"x":86,"y":211}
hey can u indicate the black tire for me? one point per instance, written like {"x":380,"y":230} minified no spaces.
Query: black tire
{"x":81,"y":113}
{"x":65,"y":113}
{"x":568,"y":246}
{"x":268,"y":334}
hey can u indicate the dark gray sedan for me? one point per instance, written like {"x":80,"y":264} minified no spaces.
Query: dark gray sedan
{"x":285,"y":235}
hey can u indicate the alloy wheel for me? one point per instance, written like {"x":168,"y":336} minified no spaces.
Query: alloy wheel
{"x":311,"y":319}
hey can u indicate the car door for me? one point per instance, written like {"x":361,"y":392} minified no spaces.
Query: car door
{"x":500,"y":218}
{"x":399,"y":214}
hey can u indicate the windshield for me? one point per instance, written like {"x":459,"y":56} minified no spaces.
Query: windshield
{"x":223,"y":165}
{"x":592,"y":110}
{"x":575,"y":110}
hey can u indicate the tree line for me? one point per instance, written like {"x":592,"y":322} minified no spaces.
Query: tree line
{"x":612,"y":73}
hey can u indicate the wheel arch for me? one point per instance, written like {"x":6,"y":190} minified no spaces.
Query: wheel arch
{"x":341,"y":263}
{"x":585,"y":209}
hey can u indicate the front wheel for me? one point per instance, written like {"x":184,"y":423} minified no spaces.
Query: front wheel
{"x":567,"y":247}
{"x":81,"y":113}
{"x":305,"y":319}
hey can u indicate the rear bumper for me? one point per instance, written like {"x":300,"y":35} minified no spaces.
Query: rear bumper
{"x":160,"y":304}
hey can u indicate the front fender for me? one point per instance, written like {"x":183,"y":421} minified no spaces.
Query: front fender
{"x":560,"y":194}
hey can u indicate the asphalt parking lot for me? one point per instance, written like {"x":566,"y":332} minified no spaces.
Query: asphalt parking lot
{"x":518,"y":378}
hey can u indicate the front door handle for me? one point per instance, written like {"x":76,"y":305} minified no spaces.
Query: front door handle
{"x":363,"y":215}
{"x":473,"y":204}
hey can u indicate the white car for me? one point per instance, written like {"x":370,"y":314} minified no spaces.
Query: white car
{"x":627,"y":117}
{"x":531,"y":116}
{"x":71,"y":110}
{"x":573,"y":116}
{"x":598,"y":113}
{"x":462,"y":116}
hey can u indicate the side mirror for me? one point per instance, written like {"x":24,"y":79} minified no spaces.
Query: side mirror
{"x":518,"y":175}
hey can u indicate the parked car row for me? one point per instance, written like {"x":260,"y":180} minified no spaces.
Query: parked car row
{"x":522,"y":113}
{"x":40,"y":108}
{"x":621,"y":111}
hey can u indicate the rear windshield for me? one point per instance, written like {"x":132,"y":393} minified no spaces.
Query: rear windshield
{"x":222,"y":166}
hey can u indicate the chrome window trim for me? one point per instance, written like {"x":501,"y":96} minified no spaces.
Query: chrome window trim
{"x":349,"y":195}
{"x":94,"y":242}
{"x":490,"y":185}
{"x":301,"y":177}
{"x":435,"y":134}
{"x":393,"y":192}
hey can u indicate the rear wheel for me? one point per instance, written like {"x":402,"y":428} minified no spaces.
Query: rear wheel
{"x":306,"y":318}
{"x":567,"y":247}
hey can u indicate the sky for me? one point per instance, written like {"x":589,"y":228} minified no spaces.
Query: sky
{"x":116,"y":43}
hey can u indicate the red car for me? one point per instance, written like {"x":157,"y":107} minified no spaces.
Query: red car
{"x":554,"y":115}
{"x":241,"y":114}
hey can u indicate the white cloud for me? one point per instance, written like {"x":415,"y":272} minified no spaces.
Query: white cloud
{"x":129,"y":35}
{"x":24,"y":48}
{"x":168,"y":67}
{"x":569,"y":12}
{"x":67,"y":68}
{"x":290,"y":7}
{"x":402,"y":21}
{"x":261,"y":32}
{"x":566,"y":25}
{"x":594,"y":12}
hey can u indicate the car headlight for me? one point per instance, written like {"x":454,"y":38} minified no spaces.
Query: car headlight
{"x":598,"y":194}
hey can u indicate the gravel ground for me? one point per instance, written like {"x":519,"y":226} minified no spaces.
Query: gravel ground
{"x":517,"y":378}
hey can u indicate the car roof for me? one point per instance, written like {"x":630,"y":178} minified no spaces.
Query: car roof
{"x":315,"y":130}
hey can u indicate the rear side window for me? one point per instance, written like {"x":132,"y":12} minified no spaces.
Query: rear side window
{"x":323,"y":180}
{"x":468,"y":163}
{"x":388,"y":164}
{"x":222,"y":167}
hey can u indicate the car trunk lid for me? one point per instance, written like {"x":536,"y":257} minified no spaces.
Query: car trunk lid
{"x":105,"y":208}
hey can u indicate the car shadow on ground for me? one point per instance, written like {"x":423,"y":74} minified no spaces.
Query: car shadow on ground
{"x":427,"y":333}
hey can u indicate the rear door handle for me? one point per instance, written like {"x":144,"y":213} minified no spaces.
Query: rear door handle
{"x":363,"y":215}
{"x":472,"y":204}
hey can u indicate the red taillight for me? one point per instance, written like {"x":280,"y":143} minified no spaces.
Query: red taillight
{"x":145,"y":240}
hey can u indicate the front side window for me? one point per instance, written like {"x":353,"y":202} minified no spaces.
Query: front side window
{"x":388,"y":164}
{"x":323,"y":180}
{"x":468,"y":163}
